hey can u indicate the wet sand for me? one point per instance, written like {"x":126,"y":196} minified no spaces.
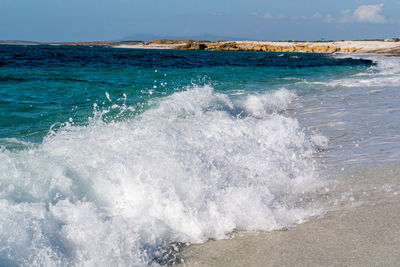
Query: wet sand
{"x":365,"y":232}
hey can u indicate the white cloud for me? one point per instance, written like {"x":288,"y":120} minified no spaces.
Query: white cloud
{"x":215,"y":13}
{"x":268,"y":16}
{"x":299,"y":18}
{"x":317,"y":15}
{"x":369,"y":13}
{"x":347,"y":16}
{"x":328,"y":18}
{"x":362,"y":14}
{"x":281,"y":16}
{"x":325,"y":18}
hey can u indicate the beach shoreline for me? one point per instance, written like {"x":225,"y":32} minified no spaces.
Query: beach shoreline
{"x":365,"y":233}
{"x":383,"y":47}
{"x":388,"y":48}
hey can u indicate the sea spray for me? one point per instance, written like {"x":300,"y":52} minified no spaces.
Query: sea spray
{"x":194,"y":166}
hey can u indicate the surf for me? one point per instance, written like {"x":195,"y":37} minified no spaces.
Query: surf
{"x":195,"y":165}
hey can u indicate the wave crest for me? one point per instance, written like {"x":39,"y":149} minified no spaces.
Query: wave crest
{"x":186,"y":170}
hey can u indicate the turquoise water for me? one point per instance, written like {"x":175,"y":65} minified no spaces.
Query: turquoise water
{"x":44,"y":85}
{"x":112,"y":156}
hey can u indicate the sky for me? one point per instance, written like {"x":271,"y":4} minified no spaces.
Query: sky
{"x":107,"y":20}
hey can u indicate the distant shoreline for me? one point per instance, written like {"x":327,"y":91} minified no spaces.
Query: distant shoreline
{"x":385,"y":47}
{"x":390,"y":48}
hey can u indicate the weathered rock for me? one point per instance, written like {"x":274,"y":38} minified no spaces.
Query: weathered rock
{"x":193,"y":46}
{"x":253,"y":46}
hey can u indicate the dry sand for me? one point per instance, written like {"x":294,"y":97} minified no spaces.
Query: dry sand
{"x":363,"y":235}
{"x":365,"y":45}
{"x":149,"y":46}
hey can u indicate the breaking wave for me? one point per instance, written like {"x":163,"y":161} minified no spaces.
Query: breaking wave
{"x":194,"y":166}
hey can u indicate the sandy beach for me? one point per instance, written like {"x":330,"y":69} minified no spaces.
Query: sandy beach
{"x":149,"y":46}
{"x":363,"y":232}
{"x":366,"y":45}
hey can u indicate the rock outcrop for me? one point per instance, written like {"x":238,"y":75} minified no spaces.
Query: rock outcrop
{"x":254,"y":46}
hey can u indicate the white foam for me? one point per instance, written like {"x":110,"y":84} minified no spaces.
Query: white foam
{"x":185,"y":170}
{"x":263,"y":105}
{"x":385,"y":73}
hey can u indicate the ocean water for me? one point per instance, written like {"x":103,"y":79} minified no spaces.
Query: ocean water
{"x":117,"y":157}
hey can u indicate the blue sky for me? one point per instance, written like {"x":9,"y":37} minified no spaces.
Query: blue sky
{"x":89,"y":20}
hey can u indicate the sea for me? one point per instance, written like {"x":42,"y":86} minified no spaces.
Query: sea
{"x":123,"y":157}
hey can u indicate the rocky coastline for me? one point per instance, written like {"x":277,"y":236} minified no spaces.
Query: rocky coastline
{"x":254,"y":46}
{"x":379,"y":47}
{"x":384,"y":47}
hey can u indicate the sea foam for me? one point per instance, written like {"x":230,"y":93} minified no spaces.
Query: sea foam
{"x":385,"y":73}
{"x":194,"y":166}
